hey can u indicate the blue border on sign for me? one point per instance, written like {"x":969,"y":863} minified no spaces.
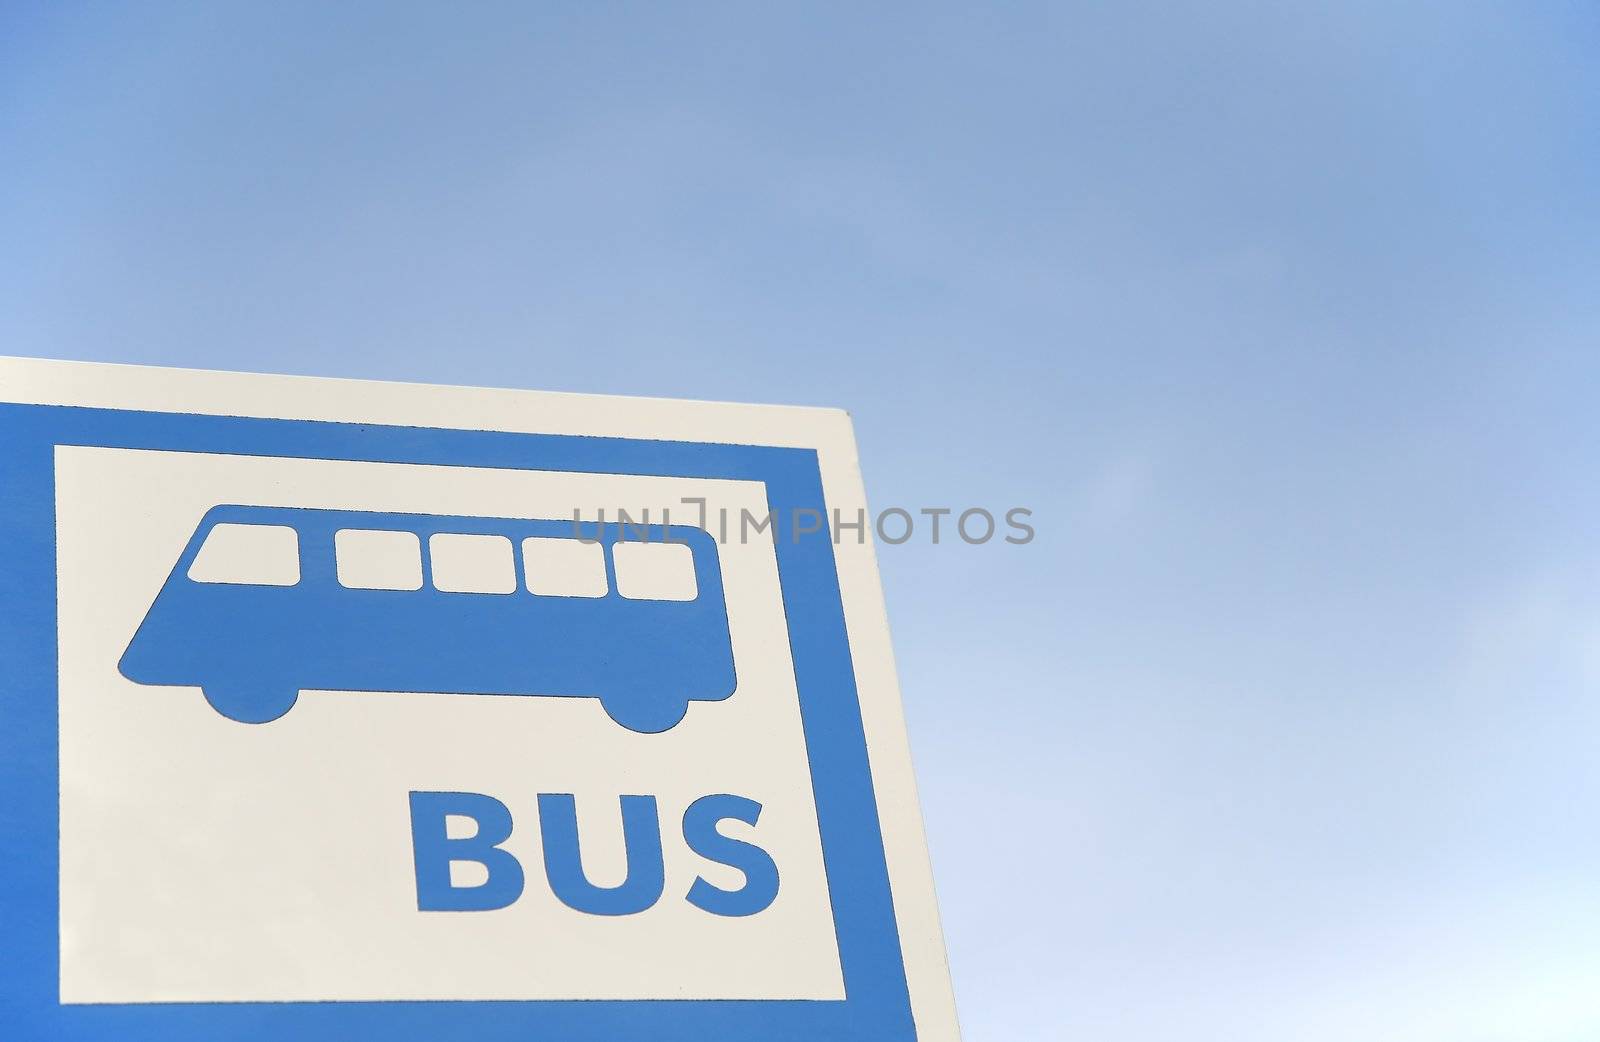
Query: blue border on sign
{"x":876,"y":1006}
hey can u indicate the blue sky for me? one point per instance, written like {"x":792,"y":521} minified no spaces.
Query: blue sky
{"x":1282,"y":318}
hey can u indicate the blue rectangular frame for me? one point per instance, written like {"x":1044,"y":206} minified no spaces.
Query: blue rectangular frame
{"x":876,"y":1006}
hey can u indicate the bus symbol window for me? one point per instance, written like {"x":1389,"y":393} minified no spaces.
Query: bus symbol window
{"x":564,"y":567}
{"x":375,"y":560}
{"x":471,"y":563}
{"x":265,"y":602}
{"x":258,"y":555}
{"x":655,"y":571}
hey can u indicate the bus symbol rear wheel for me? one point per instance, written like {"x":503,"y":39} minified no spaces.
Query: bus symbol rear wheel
{"x":250,"y":703}
{"x":646,"y":715}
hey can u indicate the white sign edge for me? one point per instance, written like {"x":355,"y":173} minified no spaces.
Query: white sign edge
{"x":830,"y":432}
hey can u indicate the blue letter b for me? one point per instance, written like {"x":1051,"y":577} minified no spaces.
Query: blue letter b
{"x":433,"y":850}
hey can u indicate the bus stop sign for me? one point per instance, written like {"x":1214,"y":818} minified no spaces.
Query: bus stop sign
{"x":339,"y":710}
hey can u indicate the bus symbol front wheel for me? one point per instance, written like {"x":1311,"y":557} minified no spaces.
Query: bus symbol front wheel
{"x":251,"y":702}
{"x":646,"y":715}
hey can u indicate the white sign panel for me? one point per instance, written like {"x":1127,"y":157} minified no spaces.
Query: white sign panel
{"x":338,"y":709}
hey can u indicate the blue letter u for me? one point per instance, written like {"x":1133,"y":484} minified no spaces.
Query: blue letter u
{"x":563,"y":863}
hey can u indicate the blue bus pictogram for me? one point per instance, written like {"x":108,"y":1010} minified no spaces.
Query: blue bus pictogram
{"x":265,"y":602}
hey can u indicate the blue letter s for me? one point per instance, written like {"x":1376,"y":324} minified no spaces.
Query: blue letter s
{"x":760,"y":873}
